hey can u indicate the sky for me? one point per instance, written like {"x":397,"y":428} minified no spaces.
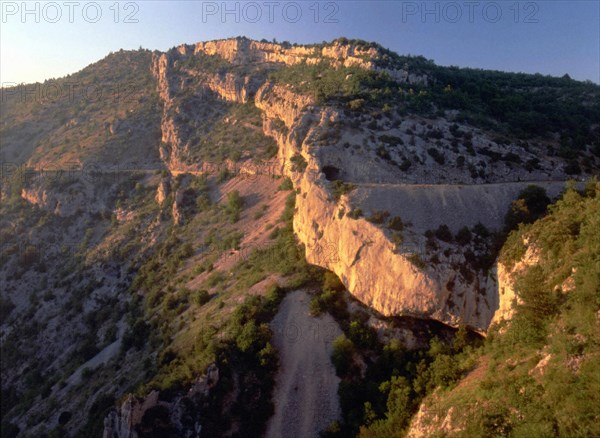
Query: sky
{"x":44,"y":40}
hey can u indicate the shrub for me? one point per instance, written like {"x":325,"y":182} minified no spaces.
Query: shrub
{"x":391,"y":140}
{"x":286,"y":185}
{"x":248,"y":337}
{"x":513,"y":249}
{"x":136,"y":336}
{"x":572,"y":168}
{"x":214,"y":279}
{"x":355,"y":213}
{"x":405,"y":165}
{"x":6,"y":307}
{"x":463,"y":237}
{"x":343,"y":350}
{"x":527,"y":208}
{"x":382,"y":152}
{"x":341,"y":188}
{"x":397,"y":239}
{"x":395,"y":223}
{"x":517,"y":214}
{"x":536,"y":198}
{"x":299,"y":164}
{"x":202,"y":297}
{"x":331,"y":301}
{"x":378,"y":216}
{"x":481,"y":230}
{"x":223,"y":175}
{"x":356,"y":104}
{"x":417,"y":261}
{"x":362,"y":335}
{"x":234,"y":205}
{"x":436,"y":155}
{"x":443,"y":233}
{"x":332,"y":282}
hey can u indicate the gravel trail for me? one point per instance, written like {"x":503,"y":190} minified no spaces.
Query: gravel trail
{"x":305,"y":395}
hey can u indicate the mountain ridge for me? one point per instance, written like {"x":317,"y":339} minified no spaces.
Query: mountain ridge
{"x":227,"y":166}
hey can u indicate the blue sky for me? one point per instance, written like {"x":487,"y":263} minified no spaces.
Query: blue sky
{"x":52,"y":39}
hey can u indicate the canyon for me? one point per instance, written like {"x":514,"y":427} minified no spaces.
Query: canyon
{"x":137,"y":229}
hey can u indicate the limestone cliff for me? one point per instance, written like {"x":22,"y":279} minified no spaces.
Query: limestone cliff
{"x":359,"y":252}
{"x":242,"y":51}
{"x":507,"y":296}
{"x":382,"y":274}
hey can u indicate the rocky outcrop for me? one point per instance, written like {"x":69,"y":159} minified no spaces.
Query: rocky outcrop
{"x":122,"y":424}
{"x":279,"y":102}
{"x":163,"y":190}
{"x":380,"y":273}
{"x":130,"y":418}
{"x":241,"y":51}
{"x":62,"y":201}
{"x":178,"y":217}
{"x":234,"y":88}
{"x":429,"y":422}
{"x":507,"y":297}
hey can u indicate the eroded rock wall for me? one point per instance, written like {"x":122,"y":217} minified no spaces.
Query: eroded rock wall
{"x":359,"y":252}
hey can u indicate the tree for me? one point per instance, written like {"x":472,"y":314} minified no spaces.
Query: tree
{"x":443,"y":233}
{"x":234,"y":205}
{"x":463,"y":237}
{"x":531,"y":204}
{"x":343,"y":350}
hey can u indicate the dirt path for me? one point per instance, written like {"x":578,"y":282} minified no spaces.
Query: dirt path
{"x":428,"y":206}
{"x":305,"y":396}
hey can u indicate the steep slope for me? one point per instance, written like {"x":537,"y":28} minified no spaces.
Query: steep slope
{"x":538,"y":373}
{"x":102,"y":118}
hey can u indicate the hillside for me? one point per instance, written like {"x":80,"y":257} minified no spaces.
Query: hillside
{"x":537,"y":374}
{"x":157,"y":211}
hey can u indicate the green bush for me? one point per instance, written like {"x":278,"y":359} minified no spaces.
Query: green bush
{"x":286,"y":185}
{"x":201,"y":297}
{"x":331,"y":282}
{"x":355,"y":213}
{"x":437,"y":156}
{"x":395,"y":223}
{"x":299,"y":164}
{"x":443,"y":233}
{"x":417,"y":261}
{"x":463,"y":237}
{"x":341,"y":188}
{"x":362,"y":335}
{"x":235,"y":203}
{"x":530,"y":205}
{"x":343,"y":351}
{"x":378,"y":216}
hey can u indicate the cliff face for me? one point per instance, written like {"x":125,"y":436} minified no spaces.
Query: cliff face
{"x":379,"y":272}
{"x":506,"y":283}
{"x":131,"y":418}
{"x":359,"y":252}
{"x":245,"y":52}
